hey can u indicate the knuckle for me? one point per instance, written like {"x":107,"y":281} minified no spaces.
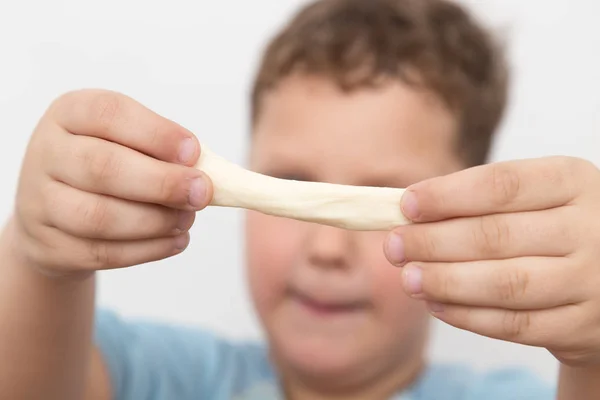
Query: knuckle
{"x":105,"y":107}
{"x":444,"y":285}
{"x":577,"y":168}
{"x":506,"y":184}
{"x":168,"y":189}
{"x":512,"y":285}
{"x":493,"y":234}
{"x":431,"y":194}
{"x":575,"y":164}
{"x":515,"y":324}
{"x":100,"y":104}
{"x":96,"y":216}
{"x":575,"y":175}
{"x":427,"y":244}
{"x":103,"y":166}
{"x":101,"y":255}
{"x":154,"y":138}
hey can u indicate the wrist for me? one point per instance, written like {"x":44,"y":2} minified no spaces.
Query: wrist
{"x":579,"y":382}
{"x":587,"y":369}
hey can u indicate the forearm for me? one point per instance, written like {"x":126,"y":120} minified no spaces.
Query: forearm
{"x":578,"y":383}
{"x":45,"y":330}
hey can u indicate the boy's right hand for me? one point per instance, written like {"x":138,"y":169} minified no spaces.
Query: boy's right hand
{"x":106,"y":183}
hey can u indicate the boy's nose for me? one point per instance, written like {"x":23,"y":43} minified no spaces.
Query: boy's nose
{"x":329,"y":247}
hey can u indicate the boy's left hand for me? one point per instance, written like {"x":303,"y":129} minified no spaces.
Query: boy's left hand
{"x":511,"y":251}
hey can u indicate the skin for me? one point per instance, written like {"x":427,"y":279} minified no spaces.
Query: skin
{"x":508,"y":250}
{"x":516,"y":259}
{"x":88,"y":177}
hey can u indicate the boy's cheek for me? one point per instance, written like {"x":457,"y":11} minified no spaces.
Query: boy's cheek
{"x":272,"y":240}
{"x":272,"y":247}
{"x":399,"y":313}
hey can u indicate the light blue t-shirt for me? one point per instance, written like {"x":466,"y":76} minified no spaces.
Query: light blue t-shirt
{"x":151,"y":361}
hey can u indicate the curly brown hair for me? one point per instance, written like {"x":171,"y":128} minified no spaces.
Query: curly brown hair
{"x":360,"y":43}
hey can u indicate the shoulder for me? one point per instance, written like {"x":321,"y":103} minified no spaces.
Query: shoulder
{"x":460,"y":382}
{"x":152,"y":361}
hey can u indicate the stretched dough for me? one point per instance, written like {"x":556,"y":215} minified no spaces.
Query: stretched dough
{"x":344,"y":206}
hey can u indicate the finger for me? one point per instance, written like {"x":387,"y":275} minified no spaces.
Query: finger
{"x":71,"y":254}
{"x":94,"y":165}
{"x":525,"y":283}
{"x":118,"y":118}
{"x":522,"y":185}
{"x":500,"y":236}
{"x":93,"y":216}
{"x":547,"y":328}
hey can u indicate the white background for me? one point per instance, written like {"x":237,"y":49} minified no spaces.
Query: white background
{"x":192,"y":61}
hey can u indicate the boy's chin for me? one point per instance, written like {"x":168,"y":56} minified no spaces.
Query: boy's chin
{"x":320,"y":357}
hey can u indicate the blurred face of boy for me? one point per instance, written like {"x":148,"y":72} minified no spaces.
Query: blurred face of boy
{"x":332,"y":306}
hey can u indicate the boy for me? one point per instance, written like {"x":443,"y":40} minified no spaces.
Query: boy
{"x":381,"y":92}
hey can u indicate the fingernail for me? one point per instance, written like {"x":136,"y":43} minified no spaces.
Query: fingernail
{"x":181,"y":241}
{"x":185,"y":219}
{"x":395,"y":249}
{"x":409,"y":205}
{"x":197,"y":192}
{"x":435,"y":307}
{"x":413,"y":279}
{"x":187,"y":149}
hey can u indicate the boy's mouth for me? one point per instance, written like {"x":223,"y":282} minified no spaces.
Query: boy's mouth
{"x":327,"y":307}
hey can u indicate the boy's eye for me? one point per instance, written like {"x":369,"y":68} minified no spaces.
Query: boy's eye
{"x":292,"y":177}
{"x":288,"y":175}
